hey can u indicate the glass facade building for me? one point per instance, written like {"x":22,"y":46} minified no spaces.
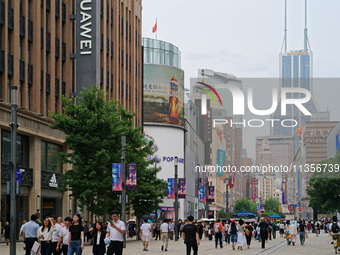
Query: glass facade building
{"x":295,"y":72}
{"x":161,"y":53}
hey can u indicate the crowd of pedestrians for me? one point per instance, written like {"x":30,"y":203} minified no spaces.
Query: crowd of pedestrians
{"x":68,"y":236}
{"x":54,"y":236}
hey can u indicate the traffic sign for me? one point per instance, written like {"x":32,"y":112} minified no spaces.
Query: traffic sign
{"x":300,"y":209}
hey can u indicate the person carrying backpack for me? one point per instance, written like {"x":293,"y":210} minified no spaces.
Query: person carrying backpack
{"x":218,"y":233}
{"x":334,"y":228}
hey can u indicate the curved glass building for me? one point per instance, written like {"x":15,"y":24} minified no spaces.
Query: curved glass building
{"x":161,"y":53}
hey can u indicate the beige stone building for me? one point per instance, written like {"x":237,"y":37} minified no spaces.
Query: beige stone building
{"x":38,"y":55}
{"x":313,"y":150}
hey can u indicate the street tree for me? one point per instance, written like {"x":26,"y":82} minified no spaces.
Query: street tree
{"x":93,"y":127}
{"x":245,"y":204}
{"x":324,"y":186}
{"x":221,"y":214}
{"x":271,"y":205}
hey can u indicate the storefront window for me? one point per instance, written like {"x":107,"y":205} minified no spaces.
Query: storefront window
{"x":22,"y":149}
{"x":49,"y":157}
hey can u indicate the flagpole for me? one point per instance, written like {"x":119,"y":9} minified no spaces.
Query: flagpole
{"x":156,"y":28}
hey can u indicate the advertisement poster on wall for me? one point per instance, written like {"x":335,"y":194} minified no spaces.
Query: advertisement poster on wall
{"x":163,"y":100}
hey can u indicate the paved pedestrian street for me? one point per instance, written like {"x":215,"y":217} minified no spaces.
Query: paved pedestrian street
{"x":313,"y":246}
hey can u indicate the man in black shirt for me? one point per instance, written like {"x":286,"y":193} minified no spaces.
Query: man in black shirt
{"x":263,"y":232}
{"x":190,"y":236}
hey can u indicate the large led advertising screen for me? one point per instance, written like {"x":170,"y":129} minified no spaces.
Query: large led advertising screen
{"x":163,"y":95}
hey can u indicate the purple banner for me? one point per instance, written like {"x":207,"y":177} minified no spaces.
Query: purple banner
{"x":203,"y":194}
{"x":171,"y":187}
{"x":131,"y":176}
{"x":116,"y":177}
{"x":211,"y":197}
{"x":182,"y":190}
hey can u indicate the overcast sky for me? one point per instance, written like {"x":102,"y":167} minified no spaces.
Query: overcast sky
{"x":244,"y":38}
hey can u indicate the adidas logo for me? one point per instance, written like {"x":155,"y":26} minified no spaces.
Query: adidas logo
{"x":53,"y":182}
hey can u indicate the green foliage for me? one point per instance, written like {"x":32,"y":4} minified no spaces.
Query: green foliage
{"x":93,"y":128}
{"x":245,"y":204}
{"x":324,"y":187}
{"x":221,"y":214}
{"x":271,"y":205}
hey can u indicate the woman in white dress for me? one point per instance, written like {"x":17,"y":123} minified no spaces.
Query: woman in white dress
{"x":241,"y":240}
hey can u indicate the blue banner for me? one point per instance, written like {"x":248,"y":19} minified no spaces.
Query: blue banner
{"x":220,"y":162}
{"x":171,"y":188}
{"x":203,"y":194}
{"x":116,"y":176}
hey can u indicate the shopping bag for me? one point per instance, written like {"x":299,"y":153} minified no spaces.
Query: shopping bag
{"x":284,"y":236}
{"x":306,"y":235}
{"x":35,"y":249}
{"x":289,"y":236}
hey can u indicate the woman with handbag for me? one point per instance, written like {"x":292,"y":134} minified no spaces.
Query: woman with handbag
{"x":249,"y":233}
{"x":293,"y":232}
{"x":45,"y":236}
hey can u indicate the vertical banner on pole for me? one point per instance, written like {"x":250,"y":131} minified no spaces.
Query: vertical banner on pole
{"x":211,"y":197}
{"x":203,"y":194}
{"x":220,"y":162}
{"x":232,"y":179}
{"x":131,"y":176}
{"x":182,"y":190}
{"x":116,"y":176}
{"x":171,"y":188}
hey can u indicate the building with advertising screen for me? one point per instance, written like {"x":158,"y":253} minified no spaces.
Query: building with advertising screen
{"x":163,"y":112}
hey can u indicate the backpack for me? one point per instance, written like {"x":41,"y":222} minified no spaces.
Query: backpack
{"x":217,"y":228}
{"x":335,"y":228}
{"x":263,"y":229}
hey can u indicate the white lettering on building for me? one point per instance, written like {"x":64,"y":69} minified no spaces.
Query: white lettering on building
{"x":85,"y":27}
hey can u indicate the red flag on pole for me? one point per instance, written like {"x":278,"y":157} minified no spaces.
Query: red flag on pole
{"x":154,"y":28}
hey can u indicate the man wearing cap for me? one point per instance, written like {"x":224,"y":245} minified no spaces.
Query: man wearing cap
{"x":30,"y":232}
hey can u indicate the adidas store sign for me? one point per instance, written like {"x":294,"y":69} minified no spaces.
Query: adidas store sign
{"x":53,"y":182}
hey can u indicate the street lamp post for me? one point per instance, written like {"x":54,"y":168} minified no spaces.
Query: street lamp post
{"x":176,"y":197}
{"x":14,"y":126}
{"x":123,"y":187}
{"x":227,"y":197}
{"x":206,"y":198}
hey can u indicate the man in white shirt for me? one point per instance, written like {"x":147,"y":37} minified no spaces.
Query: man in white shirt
{"x":62,"y":245}
{"x":115,"y":230}
{"x":164,"y":231}
{"x":55,"y":236}
{"x":145,"y":234}
{"x":172,"y":228}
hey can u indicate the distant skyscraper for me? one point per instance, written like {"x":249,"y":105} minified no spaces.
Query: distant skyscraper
{"x":296,"y":71}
